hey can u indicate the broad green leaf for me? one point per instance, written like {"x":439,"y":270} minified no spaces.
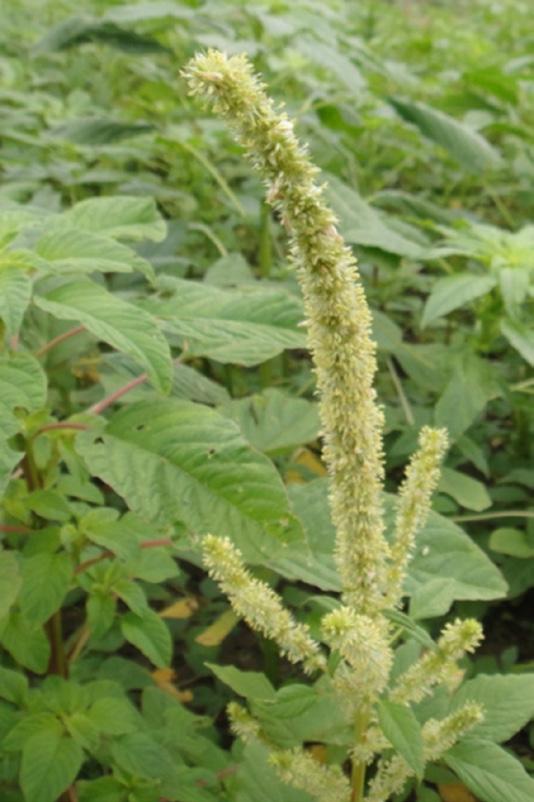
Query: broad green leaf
{"x":139,"y":753}
{"x":26,"y":642}
{"x":114,"y":716}
{"x":50,"y":763}
{"x":250,"y":684}
{"x":492,"y":774}
{"x":242,"y":327}
{"x":121,"y":535}
{"x":70,"y":250}
{"x":75,"y":31}
{"x":445,"y":560}
{"x":521,"y":337}
{"x":123,"y":326}
{"x":513,"y":542}
{"x":46,"y":579}
{"x":22,"y":382}
{"x":471,"y":386}
{"x":274,"y":421}
{"x":507,"y":701}
{"x":514,"y":284}
{"x":105,"y":789}
{"x":118,"y":216}
{"x":468,"y":492}
{"x":15,"y":295}
{"x":300,"y":713}
{"x":49,"y":504}
{"x":173,"y":460}
{"x":10,"y":581}
{"x":452,"y":292}
{"x":99,"y":130}
{"x":258,"y":780}
{"x":150,"y":635}
{"x":13,"y":685}
{"x":28,"y":726}
{"x":117,"y":370}
{"x":361,"y":224}
{"x":403,"y":731}
{"x":467,"y":146}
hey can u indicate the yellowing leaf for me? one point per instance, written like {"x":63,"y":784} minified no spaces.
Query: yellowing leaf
{"x":218,"y":631}
{"x":184,"y":608}
{"x":164,"y":679}
{"x":455,"y":792}
{"x":304,"y":461}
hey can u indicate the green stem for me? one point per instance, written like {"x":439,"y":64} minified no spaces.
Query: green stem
{"x":265,"y":256}
{"x":358,"y":768}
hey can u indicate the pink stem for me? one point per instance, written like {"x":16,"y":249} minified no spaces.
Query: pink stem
{"x":106,"y":402}
{"x":59,"y":339}
{"x":48,"y":427}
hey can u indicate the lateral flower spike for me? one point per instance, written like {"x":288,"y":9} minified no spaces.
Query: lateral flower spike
{"x":339,"y":319}
{"x":414,"y":499}
{"x":259,"y":605}
{"x":301,"y":770}
{"x":363,"y":644}
{"x":438,"y":666}
{"x":438,"y":738}
{"x":242,"y":724}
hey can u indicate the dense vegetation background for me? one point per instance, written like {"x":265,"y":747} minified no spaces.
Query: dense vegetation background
{"x":421,"y":116}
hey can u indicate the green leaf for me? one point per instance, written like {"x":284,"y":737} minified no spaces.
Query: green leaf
{"x":99,"y":130}
{"x":361,"y":224}
{"x":69,"y":250}
{"x":10,"y":581}
{"x":490,"y":772}
{"x":150,"y":635}
{"x":114,"y":716}
{"x":46,"y":579}
{"x":15,"y":295}
{"x":447,"y":564}
{"x":50,"y":763}
{"x":521,"y":337}
{"x":258,"y":780}
{"x":467,"y":146}
{"x":123,"y":326}
{"x":26,"y":642}
{"x":513,"y":542}
{"x":245,"y":328}
{"x":274,"y":421}
{"x":470,"y":388}
{"x":173,"y":460}
{"x":467,"y":491}
{"x":300,"y":713}
{"x":13,"y":685}
{"x":50,"y":505}
{"x":76,"y":31}
{"x":452,"y":292}
{"x":507,"y":701}
{"x":118,"y":216}
{"x":403,"y":731}
{"x":250,"y":684}
{"x":105,"y":789}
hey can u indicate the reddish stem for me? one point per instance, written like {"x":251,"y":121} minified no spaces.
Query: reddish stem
{"x":18,"y":530}
{"x":57,"y":340}
{"x":106,"y":402}
{"x":106,"y":555}
{"x":48,"y":427}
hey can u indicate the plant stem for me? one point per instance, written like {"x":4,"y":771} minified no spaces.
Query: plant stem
{"x":358,"y":767}
{"x":405,"y":404}
{"x":265,"y":256}
{"x":488,"y":516}
{"x":58,"y":662}
{"x":48,"y":427}
{"x":57,"y":340}
{"x":106,"y":402}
